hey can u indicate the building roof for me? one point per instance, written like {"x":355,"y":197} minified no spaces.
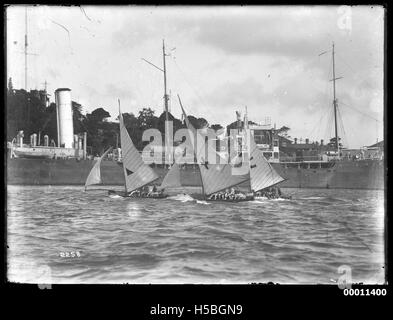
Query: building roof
{"x":62,"y":89}
{"x":378,"y":144}
{"x":302,"y":146}
{"x":285,"y":139}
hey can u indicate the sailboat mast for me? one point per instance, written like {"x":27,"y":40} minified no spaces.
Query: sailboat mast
{"x":167,"y":140}
{"x":335,"y":103}
{"x":165,"y":94}
{"x":122,"y":155}
{"x":199,"y":170}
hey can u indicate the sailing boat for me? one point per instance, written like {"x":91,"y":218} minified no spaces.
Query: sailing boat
{"x":137,"y":174}
{"x":262,"y":174}
{"x":215,"y":177}
{"x":94,"y":176}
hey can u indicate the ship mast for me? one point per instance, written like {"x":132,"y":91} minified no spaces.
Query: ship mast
{"x":335,"y":103}
{"x":166,"y":97}
{"x":27,"y":97}
{"x":26,"y":48}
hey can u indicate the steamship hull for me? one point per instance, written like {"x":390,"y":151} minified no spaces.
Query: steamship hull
{"x":29,"y":171}
{"x":363,"y":174}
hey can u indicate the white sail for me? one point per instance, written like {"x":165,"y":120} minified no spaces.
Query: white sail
{"x":136,"y":172}
{"x":215,"y":177}
{"x":94,"y":176}
{"x":172,"y":178}
{"x":262,"y":174}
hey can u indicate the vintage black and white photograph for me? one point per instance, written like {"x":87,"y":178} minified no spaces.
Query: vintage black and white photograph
{"x":195,"y":144}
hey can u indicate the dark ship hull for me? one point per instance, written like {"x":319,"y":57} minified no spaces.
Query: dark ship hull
{"x":362,"y":174}
{"x":23,"y":171}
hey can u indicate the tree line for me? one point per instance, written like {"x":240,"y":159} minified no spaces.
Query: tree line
{"x":33,"y":113}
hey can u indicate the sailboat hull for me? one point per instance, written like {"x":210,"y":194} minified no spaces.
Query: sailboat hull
{"x":201,"y":197}
{"x":127,"y":195}
{"x":279,"y":198}
{"x":230,"y":200}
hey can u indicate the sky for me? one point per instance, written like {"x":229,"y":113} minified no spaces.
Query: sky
{"x":220,"y":59}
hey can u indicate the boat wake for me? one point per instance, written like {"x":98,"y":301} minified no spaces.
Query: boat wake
{"x":259,"y":201}
{"x":183,"y":197}
{"x":115,"y":196}
{"x":312,"y":198}
{"x":266,"y":200}
{"x":202,"y":202}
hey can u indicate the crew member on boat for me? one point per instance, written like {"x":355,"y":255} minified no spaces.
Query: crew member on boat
{"x":272,"y":193}
{"x":228,"y":195}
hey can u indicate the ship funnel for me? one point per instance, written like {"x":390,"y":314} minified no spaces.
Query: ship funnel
{"x":33,"y":140}
{"x":65,"y":128}
{"x":20,"y":138}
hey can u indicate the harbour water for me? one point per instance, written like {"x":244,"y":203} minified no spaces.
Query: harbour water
{"x":62,"y":234}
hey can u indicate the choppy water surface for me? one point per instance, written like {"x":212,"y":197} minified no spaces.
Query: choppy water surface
{"x":180,"y":240}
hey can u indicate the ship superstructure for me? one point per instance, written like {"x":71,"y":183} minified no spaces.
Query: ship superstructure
{"x":69,"y":145}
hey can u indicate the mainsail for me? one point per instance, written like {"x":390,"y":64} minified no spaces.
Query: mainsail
{"x":94,"y":176}
{"x":215,"y":177}
{"x":137,"y":174}
{"x":262,"y":174}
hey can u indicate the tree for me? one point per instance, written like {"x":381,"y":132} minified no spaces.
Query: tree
{"x":110,"y":135}
{"x":147,"y":119}
{"x":132,"y":125}
{"x":283,"y":131}
{"x":216,"y":127}
{"x":49,"y":127}
{"x":177,"y":124}
{"x":77,"y":117}
{"x":10,"y":86}
{"x":96,"y":130}
{"x":202,"y":123}
{"x":234,"y":125}
{"x":99,"y":115}
{"x":197,"y":123}
{"x":25,"y":111}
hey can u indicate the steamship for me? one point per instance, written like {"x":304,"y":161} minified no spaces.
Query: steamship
{"x":69,"y":163}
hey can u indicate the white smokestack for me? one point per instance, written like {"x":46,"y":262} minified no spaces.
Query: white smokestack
{"x":65,"y":126}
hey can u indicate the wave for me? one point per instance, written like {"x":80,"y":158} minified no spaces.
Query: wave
{"x":202,"y":202}
{"x":183,"y":197}
{"x":115,"y":196}
{"x":311,"y":198}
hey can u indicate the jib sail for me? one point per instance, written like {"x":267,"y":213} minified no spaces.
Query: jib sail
{"x":137,"y":174}
{"x":215,"y":177}
{"x":172,"y":178}
{"x":94,"y":176}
